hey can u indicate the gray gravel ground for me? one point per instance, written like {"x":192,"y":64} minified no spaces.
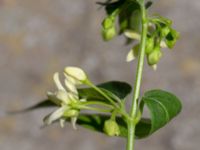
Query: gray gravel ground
{"x":38,"y":38}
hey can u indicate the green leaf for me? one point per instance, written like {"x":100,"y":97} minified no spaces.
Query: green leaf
{"x":113,"y":88}
{"x":163,"y":107}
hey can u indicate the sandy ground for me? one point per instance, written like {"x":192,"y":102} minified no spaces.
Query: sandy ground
{"x":38,"y":38}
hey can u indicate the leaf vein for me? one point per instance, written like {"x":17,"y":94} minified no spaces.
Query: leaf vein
{"x":167,"y":115}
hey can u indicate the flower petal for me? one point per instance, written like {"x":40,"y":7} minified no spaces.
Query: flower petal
{"x":72,"y":96}
{"x":73,"y":122}
{"x":70,"y":86}
{"x":62,"y":123}
{"x":63,"y":96}
{"x":52,"y":97}
{"x":54,"y":116}
{"x":57,"y":81}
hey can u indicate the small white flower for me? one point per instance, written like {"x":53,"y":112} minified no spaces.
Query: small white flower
{"x":63,"y":97}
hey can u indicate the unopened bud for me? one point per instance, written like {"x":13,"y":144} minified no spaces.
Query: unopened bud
{"x":76,"y":74}
{"x":149,"y":45}
{"x":154,"y":56}
{"x":108,"y":22}
{"x":109,"y":33}
{"x":111,"y":128}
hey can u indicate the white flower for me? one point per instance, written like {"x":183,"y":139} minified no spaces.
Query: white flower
{"x":64,"y":97}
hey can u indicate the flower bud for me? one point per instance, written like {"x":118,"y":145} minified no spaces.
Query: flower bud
{"x":108,"y":22}
{"x":154,"y":56}
{"x":149,"y":45}
{"x":109,"y":33}
{"x":111,"y":128}
{"x":76,"y":75}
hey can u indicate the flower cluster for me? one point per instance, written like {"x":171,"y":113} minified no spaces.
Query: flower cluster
{"x":66,"y":97}
{"x":160,"y":35}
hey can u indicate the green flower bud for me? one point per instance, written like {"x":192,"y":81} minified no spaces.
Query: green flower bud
{"x":108,"y":34}
{"x":108,"y":22}
{"x":154,"y":57}
{"x":111,"y":128}
{"x":149,"y":45}
{"x":71,"y":113}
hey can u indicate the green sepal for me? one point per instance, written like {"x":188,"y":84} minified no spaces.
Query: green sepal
{"x":171,"y":38}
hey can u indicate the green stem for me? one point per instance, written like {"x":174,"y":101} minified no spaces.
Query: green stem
{"x":103,"y":94}
{"x":93,"y":109}
{"x":133,"y":114}
{"x":98,"y":103}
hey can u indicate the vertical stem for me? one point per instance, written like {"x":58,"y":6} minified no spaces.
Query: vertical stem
{"x":133,"y":113}
{"x":140,"y":61}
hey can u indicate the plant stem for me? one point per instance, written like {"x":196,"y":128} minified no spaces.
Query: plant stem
{"x":94,"y":109}
{"x":103,"y":94}
{"x":133,"y":114}
{"x":98,"y":103}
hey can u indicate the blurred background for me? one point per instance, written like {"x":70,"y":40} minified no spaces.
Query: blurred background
{"x":38,"y":38}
